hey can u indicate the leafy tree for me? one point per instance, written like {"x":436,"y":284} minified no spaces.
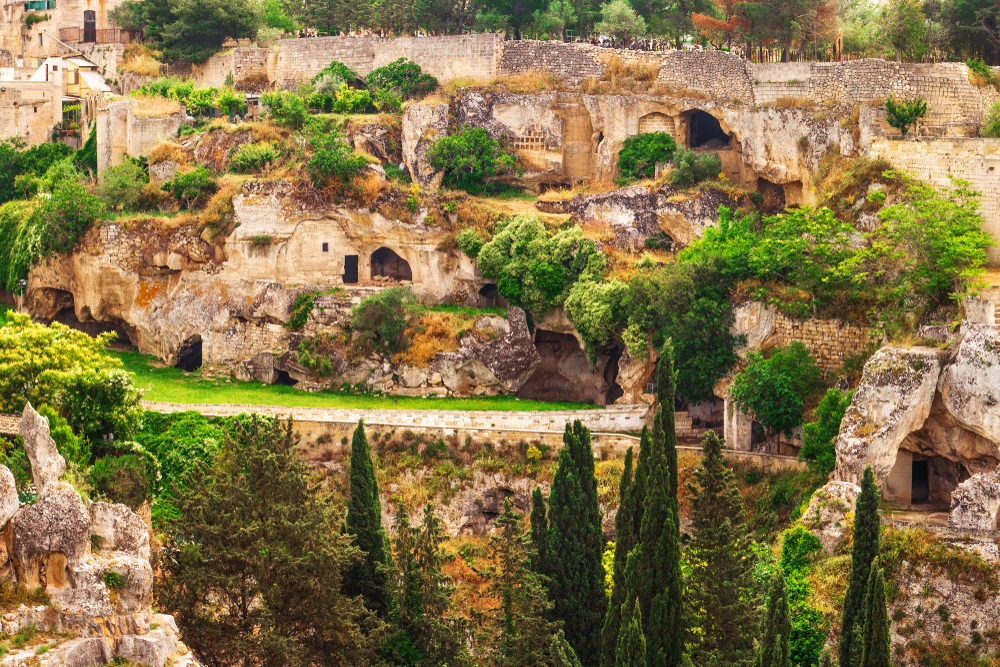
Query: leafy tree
{"x":526,"y":636}
{"x":121,"y":186}
{"x":621,"y":21}
{"x":231,"y":102}
{"x":974,"y":26}
{"x":719,"y":582}
{"x":691,"y":168}
{"x":336,"y":73}
{"x":17,"y":159}
{"x":100,"y":405}
{"x":470,"y":159}
{"x":653,"y":571}
{"x":631,"y":649}
{"x":253,"y":158}
{"x":369,"y":577}
{"x":864,"y":551}
{"x":904,"y":113}
{"x":905,"y":27}
{"x":874,"y":637}
{"x":776,"y":629}
{"x":640,"y":154}
{"x":190,"y":30}
{"x":285,"y":108}
{"x":773,"y":390}
{"x":426,"y":632}
{"x":991,"y":124}
{"x":818,"y":436}
{"x":558,"y":15}
{"x":270,"y":592}
{"x":625,"y":539}
{"x":574,"y":546}
{"x":381,"y":320}
{"x":534,"y":269}
{"x":404,"y":76}
{"x":192,"y":186}
{"x":275,"y":15}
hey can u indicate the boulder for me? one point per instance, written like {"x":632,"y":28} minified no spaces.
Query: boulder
{"x":80,"y":652}
{"x":635,"y":375}
{"x":50,"y":538}
{"x":47,"y":464}
{"x":118,"y":528}
{"x":412,"y":377}
{"x":893,"y":399}
{"x":8,"y":495}
{"x":826,"y":515}
{"x":423,"y":124}
{"x":975,"y":503}
{"x":970,"y":383}
{"x":111,"y":595}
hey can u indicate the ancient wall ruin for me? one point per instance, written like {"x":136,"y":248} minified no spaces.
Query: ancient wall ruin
{"x":121,"y":132}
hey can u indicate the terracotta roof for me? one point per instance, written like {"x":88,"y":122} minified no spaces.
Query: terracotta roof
{"x":9,"y":424}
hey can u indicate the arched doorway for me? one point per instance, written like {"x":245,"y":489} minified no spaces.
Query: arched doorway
{"x":704,"y":131}
{"x":388,"y":264}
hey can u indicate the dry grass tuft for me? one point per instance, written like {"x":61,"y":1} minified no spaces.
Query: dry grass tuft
{"x":531,"y":81}
{"x":148,"y":106}
{"x":436,"y":332}
{"x":168,"y":150}
{"x":368,"y":187}
{"x":140,"y":59}
{"x":792,"y":103}
{"x":617,"y":67}
{"x":218,"y":212}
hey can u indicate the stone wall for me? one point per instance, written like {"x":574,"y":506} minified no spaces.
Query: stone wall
{"x":120,"y":132}
{"x":29,"y":109}
{"x":829,"y":341}
{"x":937,"y":160}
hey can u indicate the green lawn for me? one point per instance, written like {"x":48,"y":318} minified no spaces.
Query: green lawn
{"x":171,"y":385}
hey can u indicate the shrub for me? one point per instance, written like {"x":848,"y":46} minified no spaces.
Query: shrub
{"x":470,"y":242}
{"x":339,"y":72}
{"x":16,"y":159}
{"x":122,"y":479}
{"x":404,"y":76}
{"x":773,"y":390}
{"x":201,"y":101}
{"x":380,"y":321}
{"x":85,"y":159}
{"x":469,"y":159}
{"x":231,"y":102}
{"x":252,"y":158}
{"x":122,"y":184}
{"x":904,"y":113}
{"x":980,"y":73}
{"x":387,"y":101}
{"x":640,"y":154}
{"x":114,"y":580}
{"x":991,"y":124}
{"x":191,"y":186}
{"x":818,"y":436}
{"x":691,"y":168}
{"x":285,"y":108}
{"x":332,"y":159}
{"x":350,"y":100}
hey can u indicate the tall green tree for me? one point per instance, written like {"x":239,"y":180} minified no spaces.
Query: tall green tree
{"x":874,"y":639}
{"x":866,"y":548}
{"x":653,"y":570}
{"x":427,"y":633}
{"x":625,"y":538}
{"x":776,"y":631}
{"x":526,"y":635}
{"x":258,"y":559}
{"x":369,"y":578}
{"x":575,"y":546}
{"x":539,"y":528}
{"x":721,"y":565}
{"x":631,"y":649}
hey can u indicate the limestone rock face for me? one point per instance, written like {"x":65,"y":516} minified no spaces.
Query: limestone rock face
{"x":47,"y":465}
{"x":755,"y":321}
{"x":8,"y":495}
{"x":975,"y":503}
{"x":423,"y":124}
{"x":970,"y":383}
{"x":892,"y":400}
{"x":473,"y":510}
{"x":634,"y":376}
{"x":826,"y":515}
{"x":50,"y":538}
{"x":119,"y":529}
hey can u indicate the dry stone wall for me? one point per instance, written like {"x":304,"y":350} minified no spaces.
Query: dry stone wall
{"x":829,"y":341}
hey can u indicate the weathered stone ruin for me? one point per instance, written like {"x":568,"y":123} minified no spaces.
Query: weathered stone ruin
{"x":93,"y":562}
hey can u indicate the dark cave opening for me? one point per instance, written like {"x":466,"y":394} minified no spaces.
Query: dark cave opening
{"x":705,"y":131}
{"x":189,"y":355}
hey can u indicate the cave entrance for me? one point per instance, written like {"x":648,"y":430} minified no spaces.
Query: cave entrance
{"x":920,"y":482}
{"x":388,"y":264}
{"x":283,"y":378}
{"x":489,"y":296}
{"x":564,"y":371}
{"x":615,"y":390}
{"x":704,"y":131}
{"x":350,"y":269}
{"x":189,"y":354}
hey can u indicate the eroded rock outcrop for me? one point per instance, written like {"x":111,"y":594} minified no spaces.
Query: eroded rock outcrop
{"x":970,"y":383}
{"x":827,"y":512}
{"x":975,"y":503}
{"x":423,"y":124}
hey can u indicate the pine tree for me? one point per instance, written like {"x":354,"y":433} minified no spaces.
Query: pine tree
{"x":625,"y":538}
{"x":776,"y":632}
{"x":875,"y":642}
{"x":539,"y":528}
{"x":427,"y":633}
{"x":369,"y":578}
{"x":631,"y":648}
{"x":720,"y":562}
{"x":574,"y":546}
{"x":653,"y":569}
{"x":526,"y":636}
{"x":866,"y":547}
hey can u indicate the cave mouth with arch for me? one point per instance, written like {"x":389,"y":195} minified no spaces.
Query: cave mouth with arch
{"x":386,"y":263}
{"x":705,"y":131}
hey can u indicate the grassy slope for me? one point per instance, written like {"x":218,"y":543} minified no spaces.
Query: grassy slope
{"x":174,"y":386}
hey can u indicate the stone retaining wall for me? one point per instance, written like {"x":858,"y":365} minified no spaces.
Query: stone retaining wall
{"x":829,"y":341}
{"x":937,"y":160}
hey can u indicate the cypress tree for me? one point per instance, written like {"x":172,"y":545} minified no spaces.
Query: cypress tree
{"x":561,"y":652}
{"x":369,"y":577}
{"x":539,"y":528}
{"x":866,"y":547}
{"x":631,"y":649}
{"x":574,"y":546}
{"x":720,"y":563}
{"x":776,"y":633}
{"x":625,"y":538}
{"x":875,"y":643}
